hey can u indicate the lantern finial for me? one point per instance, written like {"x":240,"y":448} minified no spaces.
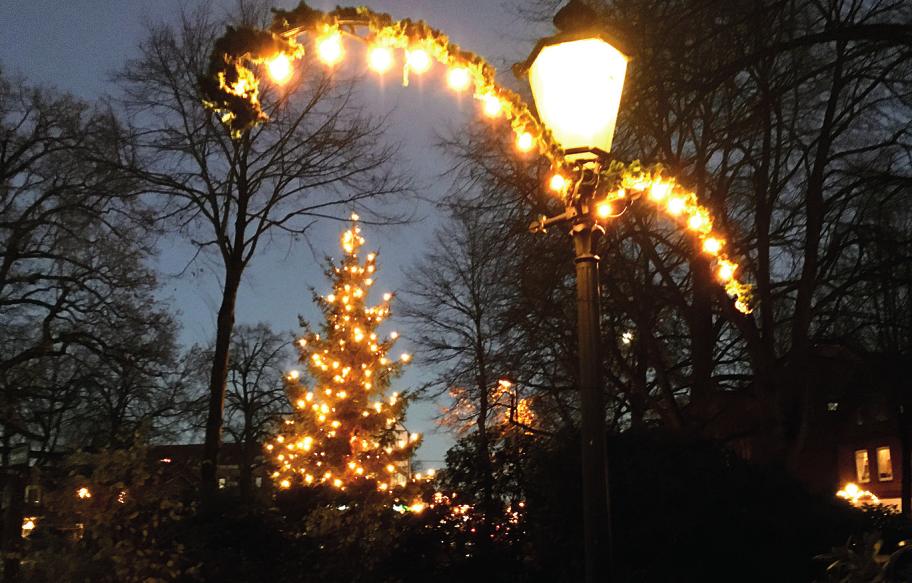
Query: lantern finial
{"x":575,"y":16}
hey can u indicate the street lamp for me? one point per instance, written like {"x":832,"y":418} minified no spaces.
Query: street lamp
{"x":577,"y":77}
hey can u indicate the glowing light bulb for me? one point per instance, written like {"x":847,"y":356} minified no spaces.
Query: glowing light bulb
{"x":394,"y":335}
{"x":279,"y":68}
{"x":525,"y":142}
{"x":294,"y":375}
{"x":406,"y":357}
{"x":285,"y":484}
{"x":83,"y":493}
{"x":697,"y":221}
{"x":459,"y":78}
{"x":558,"y":183}
{"x":492,"y":105}
{"x":603,"y":210}
{"x":727,"y":270}
{"x":676,"y":205}
{"x":387,"y":297}
{"x":380,"y":59}
{"x":418,"y":61}
{"x":659,"y":191}
{"x":329,"y":48}
{"x":712,"y":246}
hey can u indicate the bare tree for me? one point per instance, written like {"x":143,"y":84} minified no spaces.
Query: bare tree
{"x":256,"y":396}
{"x":456,"y":301}
{"x":319,"y":154}
{"x":76,"y":301}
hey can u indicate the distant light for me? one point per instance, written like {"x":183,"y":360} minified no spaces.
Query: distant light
{"x":604,"y":210}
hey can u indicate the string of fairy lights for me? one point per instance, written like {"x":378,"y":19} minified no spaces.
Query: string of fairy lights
{"x":232,"y":89}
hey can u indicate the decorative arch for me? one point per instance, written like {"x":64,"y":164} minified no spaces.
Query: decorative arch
{"x":231,"y":89}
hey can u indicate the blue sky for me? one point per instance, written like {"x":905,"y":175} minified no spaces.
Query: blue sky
{"x":75,"y":45}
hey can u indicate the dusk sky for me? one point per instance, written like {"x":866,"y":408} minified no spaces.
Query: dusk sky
{"x":75,"y":45}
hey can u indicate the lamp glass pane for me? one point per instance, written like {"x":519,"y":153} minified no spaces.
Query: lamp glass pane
{"x":577,"y":89}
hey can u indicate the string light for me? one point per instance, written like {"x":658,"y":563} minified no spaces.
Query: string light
{"x":237,"y":80}
{"x":380,"y":59}
{"x":603,"y":210}
{"x":279,"y":68}
{"x":329,"y":48}
{"x":712,"y":246}
{"x":459,"y":78}
{"x":419,"y":61}
{"x":492,"y":105}
{"x":525,"y":142}
{"x":558,"y":183}
{"x":349,"y":416}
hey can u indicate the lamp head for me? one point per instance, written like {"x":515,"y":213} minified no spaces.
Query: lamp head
{"x":577,"y":77}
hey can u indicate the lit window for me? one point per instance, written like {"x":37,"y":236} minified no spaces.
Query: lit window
{"x":224,"y":482}
{"x":884,"y":464}
{"x":833,"y":406}
{"x":862,"y":468}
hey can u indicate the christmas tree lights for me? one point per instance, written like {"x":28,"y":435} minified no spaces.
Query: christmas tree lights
{"x":345,"y":429}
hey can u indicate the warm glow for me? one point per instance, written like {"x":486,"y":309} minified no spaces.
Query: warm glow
{"x":603,"y":210}
{"x":712,"y":246}
{"x":660,"y":190}
{"x":294,"y":375}
{"x":419,"y":61}
{"x":459,"y":78}
{"x":577,"y":89}
{"x":83,"y":493}
{"x":676,"y":205}
{"x":727,"y":270}
{"x":856,"y":496}
{"x":558,"y":183}
{"x":492,"y":105}
{"x":279,"y":68}
{"x":329,"y":48}
{"x":525,"y":142}
{"x":380,"y":59}
{"x":28,"y":525}
{"x":285,"y":484}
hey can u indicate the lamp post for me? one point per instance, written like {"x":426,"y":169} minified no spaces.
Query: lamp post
{"x":576,"y":78}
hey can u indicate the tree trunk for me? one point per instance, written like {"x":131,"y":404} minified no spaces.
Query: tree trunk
{"x":484,"y":448}
{"x":217,"y":383}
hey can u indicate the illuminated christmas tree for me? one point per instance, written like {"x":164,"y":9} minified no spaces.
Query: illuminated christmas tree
{"x":345,"y":430}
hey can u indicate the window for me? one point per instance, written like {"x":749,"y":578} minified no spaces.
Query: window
{"x":862,"y":468}
{"x":259,"y":481}
{"x":33,"y":494}
{"x":884,"y":464}
{"x":222,"y":482}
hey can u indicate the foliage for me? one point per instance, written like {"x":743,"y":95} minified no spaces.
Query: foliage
{"x":114,"y":518}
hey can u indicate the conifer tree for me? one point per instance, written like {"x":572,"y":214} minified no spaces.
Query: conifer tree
{"x":345,"y":430}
